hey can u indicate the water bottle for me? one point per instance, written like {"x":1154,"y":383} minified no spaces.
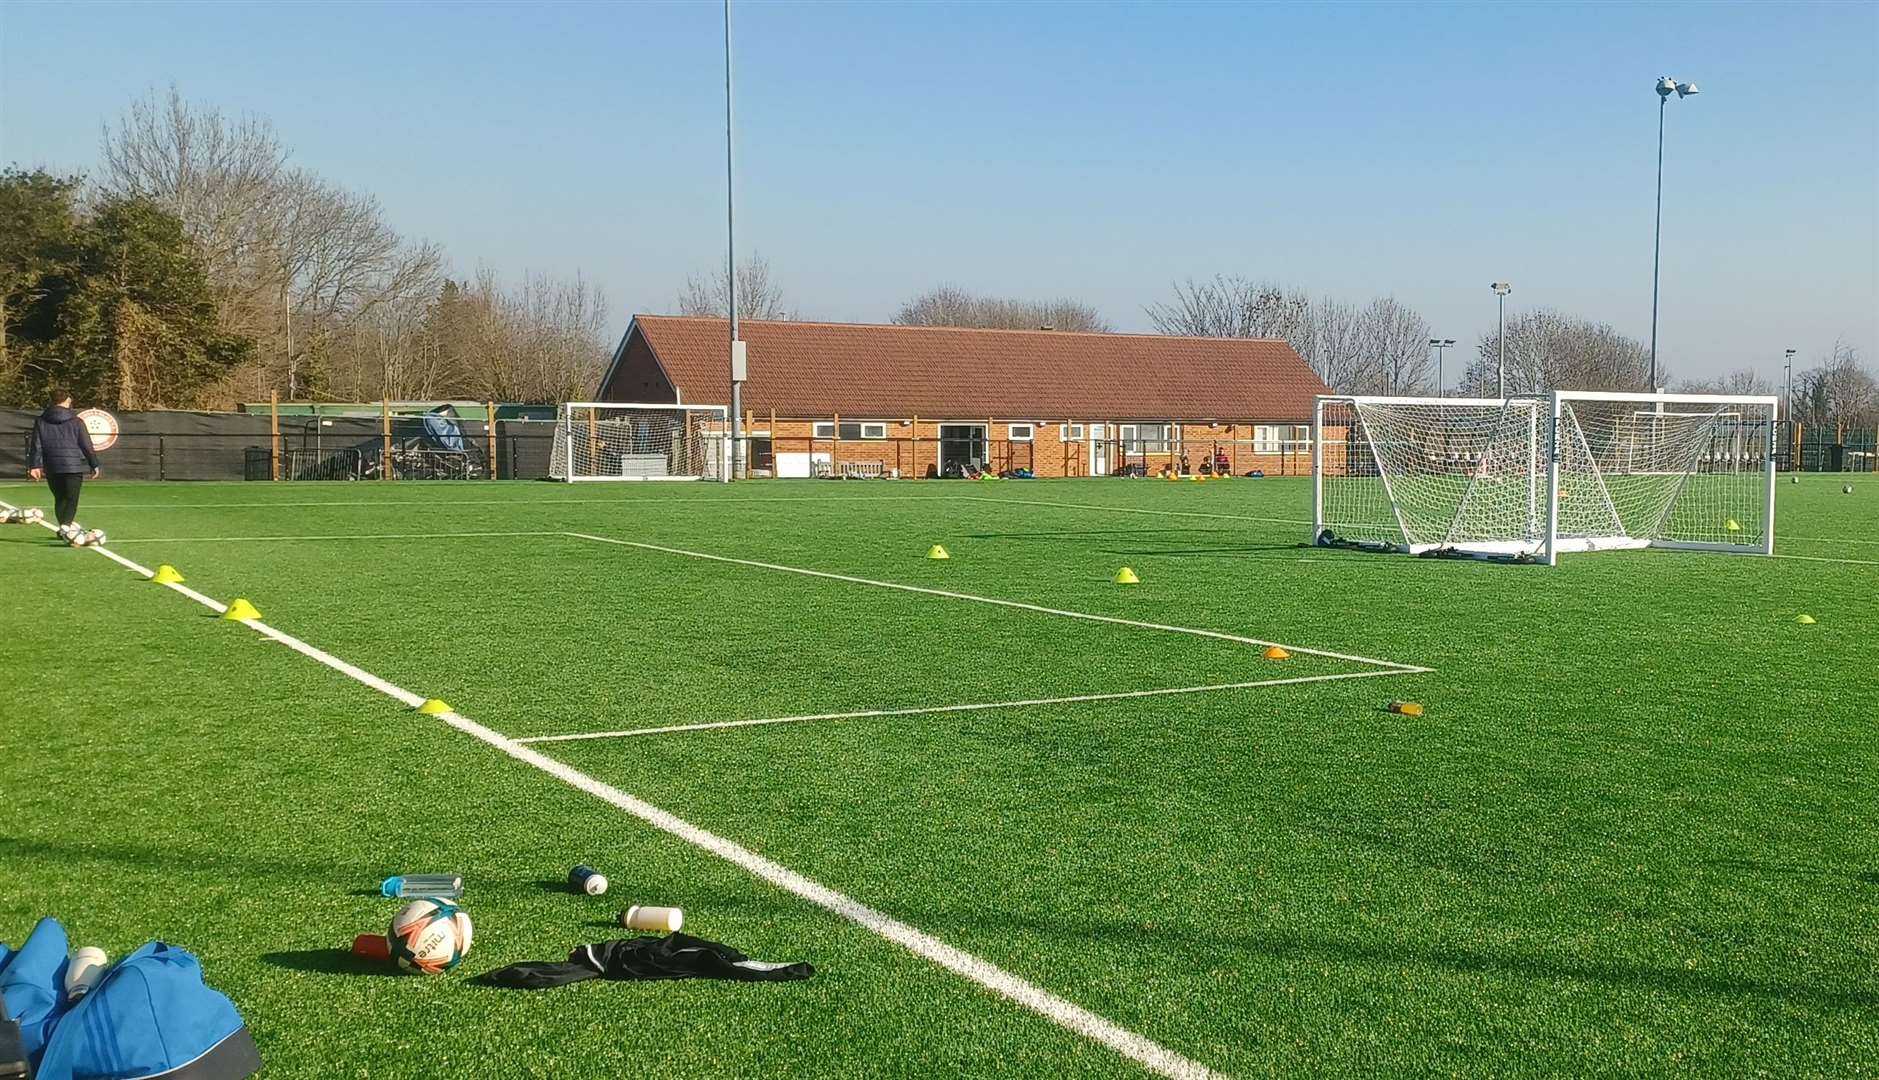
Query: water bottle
{"x":442,"y":886}
{"x":586,"y":879}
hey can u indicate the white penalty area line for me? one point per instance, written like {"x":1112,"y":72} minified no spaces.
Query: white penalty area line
{"x":1826,"y":559}
{"x":929,"y":710}
{"x":1060,"y":1011}
{"x":1019,"y":605}
{"x":332,"y":536}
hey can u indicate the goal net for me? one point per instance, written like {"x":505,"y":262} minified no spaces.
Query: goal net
{"x":1529,"y":477}
{"x":609,"y":441}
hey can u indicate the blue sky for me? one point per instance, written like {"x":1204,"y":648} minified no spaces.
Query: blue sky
{"x":1099,"y":151}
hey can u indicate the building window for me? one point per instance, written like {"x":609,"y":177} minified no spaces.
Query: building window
{"x":852,"y":429}
{"x":1301,"y":436}
{"x":1069,"y":432}
{"x":1265,"y":439}
{"x":1144,"y":438}
{"x":1021,"y":432}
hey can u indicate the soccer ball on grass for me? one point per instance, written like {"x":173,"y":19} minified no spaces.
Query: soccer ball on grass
{"x":430,"y":936}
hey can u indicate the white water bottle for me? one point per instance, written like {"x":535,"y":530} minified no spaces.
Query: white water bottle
{"x":84,"y":970}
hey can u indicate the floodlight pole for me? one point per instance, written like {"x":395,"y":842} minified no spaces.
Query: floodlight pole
{"x":730,"y":252}
{"x":1440,"y":345}
{"x":1787,"y":386}
{"x":1501,"y":289}
{"x":1666,"y":86}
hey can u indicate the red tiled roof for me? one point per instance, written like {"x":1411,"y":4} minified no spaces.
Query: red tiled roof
{"x":811,"y":369}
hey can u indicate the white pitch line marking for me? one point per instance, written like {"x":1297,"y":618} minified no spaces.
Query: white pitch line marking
{"x":1133,"y":510}
{"x":1017,"y":604}
{"x":928,"y":710}
{"x":333,"y":536}
{"x":1061,"y":1011}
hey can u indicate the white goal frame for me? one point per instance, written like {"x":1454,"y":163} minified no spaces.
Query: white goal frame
{"x":1544,"y":449}
{"x":717,"y":458}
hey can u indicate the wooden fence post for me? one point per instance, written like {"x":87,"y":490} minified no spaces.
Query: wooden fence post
{"x":489,"y":415}
{"x":384,"y":412}
{"x":274,"y":434}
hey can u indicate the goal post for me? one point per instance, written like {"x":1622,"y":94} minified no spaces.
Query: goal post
{"x":1531,"y":476}
{"x":610,"y":440}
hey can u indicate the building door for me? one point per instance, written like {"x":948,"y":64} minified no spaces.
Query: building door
{"x":1099,"y":448}
{"x":961,"y":445}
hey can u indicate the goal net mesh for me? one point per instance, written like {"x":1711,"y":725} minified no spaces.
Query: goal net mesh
{"x":1470,"y":475}
{"x":637,"y":442}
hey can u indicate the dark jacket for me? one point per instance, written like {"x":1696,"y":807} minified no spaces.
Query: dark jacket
{"x":60,"y":442}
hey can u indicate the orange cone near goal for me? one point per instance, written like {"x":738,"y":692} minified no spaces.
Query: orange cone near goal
{"x":1274,"y":652}
{"x":167,"y":575}
{"x":240,"y":610}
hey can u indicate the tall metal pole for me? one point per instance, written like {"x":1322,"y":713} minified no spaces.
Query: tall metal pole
{"x":1500,"y":360}
{"x":1787,"y":386}
{"x":1657,"y":243}
{"x":730,"y":249}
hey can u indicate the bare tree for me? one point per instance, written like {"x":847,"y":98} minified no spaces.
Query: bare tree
{"x":1549,"y":350}
{"x":1232,"y":307}
{"x":1838,"y":393}
{"x":216,"y":173}
{"x":949,"y":305}
{"x":759,"y":295}
{"x":1742,"y":381}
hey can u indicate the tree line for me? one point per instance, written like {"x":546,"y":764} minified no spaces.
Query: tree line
{"x":195,"y":268}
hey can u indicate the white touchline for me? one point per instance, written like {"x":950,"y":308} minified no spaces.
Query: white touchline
{"x":928,"y":710}
{"x":1066,"y":1014}
{"x":1018,"y":604}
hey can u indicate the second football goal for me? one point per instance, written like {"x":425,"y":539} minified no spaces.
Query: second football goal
{"x":1530,"y":477}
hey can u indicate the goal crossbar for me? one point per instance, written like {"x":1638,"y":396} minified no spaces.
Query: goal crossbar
{"x":1531,"y":476}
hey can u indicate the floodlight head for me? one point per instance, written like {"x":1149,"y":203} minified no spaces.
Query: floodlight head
{"x":1448,"y":341}
{"x":1501,"y":288}
{"x":1685,"y":90}
{"x":1666,"y":86}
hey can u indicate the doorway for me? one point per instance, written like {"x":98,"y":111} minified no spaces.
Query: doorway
{"x":961,"y":445}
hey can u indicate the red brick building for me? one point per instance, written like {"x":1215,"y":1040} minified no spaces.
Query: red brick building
{"x":860,"y":400}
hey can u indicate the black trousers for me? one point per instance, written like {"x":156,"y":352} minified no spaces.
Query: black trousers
{"x":65,"y":487}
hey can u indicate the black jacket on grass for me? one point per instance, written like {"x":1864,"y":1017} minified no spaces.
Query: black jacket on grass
{"x":60,"y":442}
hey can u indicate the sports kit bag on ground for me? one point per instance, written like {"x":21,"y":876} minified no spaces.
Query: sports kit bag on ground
{"x":151,"y":1015}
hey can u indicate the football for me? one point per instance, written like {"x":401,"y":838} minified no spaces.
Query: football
{"x":430,"y":936}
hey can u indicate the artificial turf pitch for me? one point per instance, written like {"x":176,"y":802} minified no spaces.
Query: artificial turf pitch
{"x":1632,"y":835}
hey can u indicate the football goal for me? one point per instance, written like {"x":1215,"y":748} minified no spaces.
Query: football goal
{"x":600,"y":440}
{"x":1530,"y":477}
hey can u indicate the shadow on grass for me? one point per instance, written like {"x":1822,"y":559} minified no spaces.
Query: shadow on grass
{"x":1212,"y":951}
{"x":331,"y":962}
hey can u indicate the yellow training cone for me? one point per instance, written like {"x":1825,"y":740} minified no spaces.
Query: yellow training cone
{"x":167,"y":575}
{"x":1274,"y":652}
{"x":937,"y":552}
{"x":434,"y":707}
{"x":1733,"y":526}
{"x":1126,"y":576}
{"x":241,"y":611}
{"x":1195,"y":478}
{"x":1804,"y":620}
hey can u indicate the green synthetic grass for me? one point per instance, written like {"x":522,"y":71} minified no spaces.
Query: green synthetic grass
{"x":1631,"y":836}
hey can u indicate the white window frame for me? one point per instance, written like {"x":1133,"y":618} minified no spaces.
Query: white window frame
{"x":1070,"y":432}
{"x":1266,"y":439}
{"x":1030,"y":432}
{"x":871,"y":430}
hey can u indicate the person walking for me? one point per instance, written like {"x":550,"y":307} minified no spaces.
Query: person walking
{"x":61,"y":455}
